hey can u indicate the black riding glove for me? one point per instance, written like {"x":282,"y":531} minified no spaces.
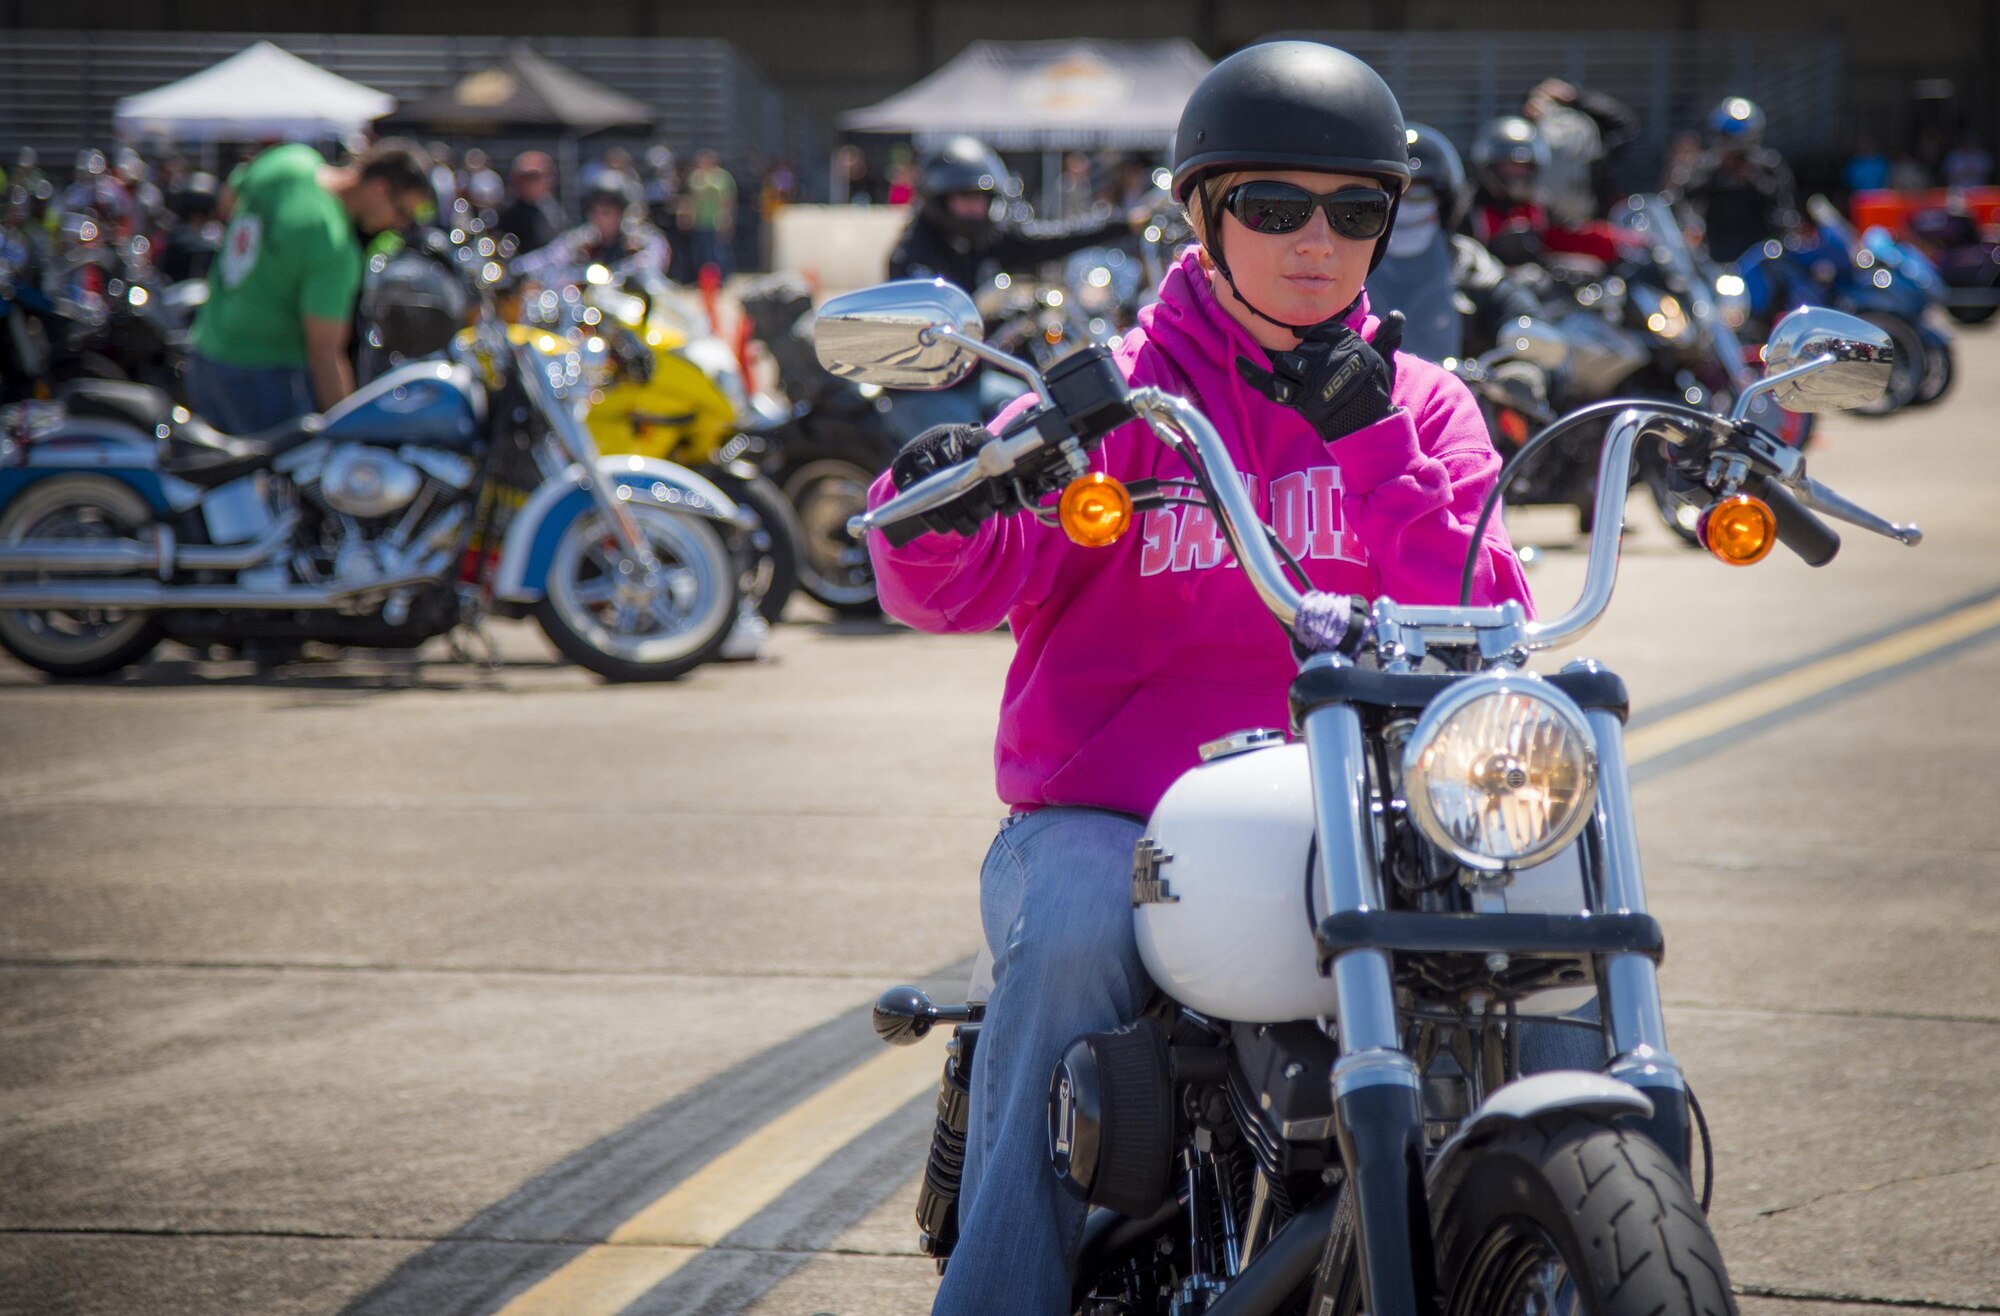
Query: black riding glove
{"x":1333,"y":378}
{"x":948,"y":445}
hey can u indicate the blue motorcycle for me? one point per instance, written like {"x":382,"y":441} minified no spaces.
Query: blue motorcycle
{"x":441,"y":492}
{"x":1826,"y":264}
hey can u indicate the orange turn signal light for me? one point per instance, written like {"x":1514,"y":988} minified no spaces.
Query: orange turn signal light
{"x":1095,"y":510}
{"x":1741,"y":530}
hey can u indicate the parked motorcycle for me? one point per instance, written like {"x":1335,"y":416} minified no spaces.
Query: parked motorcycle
{"x":1349,"y":929}
{"x":1966,"y":257}
{"x":1825,"y":264}
{"x":440,"y":492}
{"x":1655,"y":327}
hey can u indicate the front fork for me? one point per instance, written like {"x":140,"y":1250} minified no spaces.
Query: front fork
{"x":1628,"y":986}
{"x":1377,"y":1089}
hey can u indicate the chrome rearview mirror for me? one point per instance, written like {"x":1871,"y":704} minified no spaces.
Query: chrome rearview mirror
{"x":1863,"y":359}
{"x":884,"y":335}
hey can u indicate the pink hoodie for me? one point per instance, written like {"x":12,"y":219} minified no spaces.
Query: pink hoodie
{"x":1129,"y":657}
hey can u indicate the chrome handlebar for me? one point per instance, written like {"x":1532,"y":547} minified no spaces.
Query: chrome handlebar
{"x":1496,"y":632}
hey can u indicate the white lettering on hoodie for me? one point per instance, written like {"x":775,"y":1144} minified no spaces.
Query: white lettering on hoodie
{"x":1305,"y":512}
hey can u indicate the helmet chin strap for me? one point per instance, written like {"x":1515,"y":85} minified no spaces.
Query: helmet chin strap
{"x":1211,"y":222}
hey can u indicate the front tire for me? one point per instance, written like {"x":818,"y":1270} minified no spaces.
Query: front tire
{"x":1568,"y":1214}
{"x":88,"y":641}
{"x":640,"y":631}
{"x":775,"y":540}
{"x":1939,"y":368}
{"x":834,"y":569}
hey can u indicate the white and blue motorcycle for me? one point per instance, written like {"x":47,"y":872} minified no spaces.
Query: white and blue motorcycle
{"x":440,"y":492}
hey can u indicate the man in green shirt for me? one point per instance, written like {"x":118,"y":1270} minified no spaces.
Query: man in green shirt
{"x":272,"y":340}
{"x":709,"y":205}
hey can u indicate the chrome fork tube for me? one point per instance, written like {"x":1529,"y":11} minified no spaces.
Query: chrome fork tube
{"x":1628,"y":985}
{"x":1375,"y":1084}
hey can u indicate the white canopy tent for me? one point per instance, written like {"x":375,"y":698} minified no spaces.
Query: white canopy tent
{"x":1046,"y":96}
{"x":258,"y":93}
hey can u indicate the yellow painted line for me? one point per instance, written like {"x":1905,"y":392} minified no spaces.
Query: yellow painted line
{"x":708,"y":1205}
{"x":714,"y":1201}
{"x":1795,"y":687}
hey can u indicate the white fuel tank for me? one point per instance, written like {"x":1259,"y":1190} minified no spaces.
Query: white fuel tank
{"x":1232,"y":934}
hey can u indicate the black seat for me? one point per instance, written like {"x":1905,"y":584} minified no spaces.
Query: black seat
{"x":191,"y":449}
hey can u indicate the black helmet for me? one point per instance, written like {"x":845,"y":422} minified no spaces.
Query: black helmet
{"x":413,"y":305}
{"x":963,"y":164}
{"x":1503,"y":147}
{"x":1293,"y":105}
{"x":1434,"y":163}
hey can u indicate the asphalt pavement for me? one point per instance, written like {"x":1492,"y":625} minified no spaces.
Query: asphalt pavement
{"x":385,"y":985}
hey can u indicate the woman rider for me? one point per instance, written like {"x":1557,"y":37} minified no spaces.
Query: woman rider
{"x":1370,"y":465}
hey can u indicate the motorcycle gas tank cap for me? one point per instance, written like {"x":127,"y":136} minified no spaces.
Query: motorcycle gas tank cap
{"x":1241,"y":742}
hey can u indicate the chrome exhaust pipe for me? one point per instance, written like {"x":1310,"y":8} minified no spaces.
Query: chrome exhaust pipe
{"x":147,"y":596}
{"x":86,"y":556}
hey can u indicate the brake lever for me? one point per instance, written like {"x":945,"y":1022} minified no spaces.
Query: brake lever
{"x":1824,"y":500}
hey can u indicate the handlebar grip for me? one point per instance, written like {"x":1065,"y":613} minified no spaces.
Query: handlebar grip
{"x":899,"y":533}
{"x":1799,"y":528}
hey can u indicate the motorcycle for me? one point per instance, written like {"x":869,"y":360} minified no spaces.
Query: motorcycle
{"x":1879,"y":248}
{"x":669,"y":392}
{"x":1516,"y":383}
{"x":1824,"y":263}
{"x":1966,"y":259}
{"x":1656,"y":327}
{"x":1349,"y":927}
{"x":439,"y":492}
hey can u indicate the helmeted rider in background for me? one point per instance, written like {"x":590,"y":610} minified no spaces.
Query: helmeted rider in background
{"x":614,"y":234}
{"x":962,"y":233}
{"x":1742,"y":189}
{"x":1454,"y":296}
{"x":1585,"y":131}
{"x":1370,"y":465}
{"x":1508,"y":159}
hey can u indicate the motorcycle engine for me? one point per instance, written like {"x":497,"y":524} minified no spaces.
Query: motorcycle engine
{"x":368,"y":482}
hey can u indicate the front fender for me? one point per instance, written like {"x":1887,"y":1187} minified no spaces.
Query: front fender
{"x":1538,"y":1094}
{"x":536,"y":529}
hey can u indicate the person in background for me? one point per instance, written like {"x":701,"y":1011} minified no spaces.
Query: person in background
{"x":661,"y":189}
{"x":1867,"y":169}
{"x":271,"y":342}
{"x":1907,"y":174}
{"x":1508,"y":157}
{"x":960,"y":232}
{"x":530,"y":216}
{"x":1741,"y":188}
{"x":614,"y":234}
{"x":903,"y":179}
{"x":444,"y":179}
{"x":149,"y":205}
{"x":1074,"y":194}
{"x":1968,"y":164}
{"x":710,"y":212}
{"x":1586,"y":131}
{"x":480,"y":185}
{"x":1454,"y":296}
{"x":778,"y":189}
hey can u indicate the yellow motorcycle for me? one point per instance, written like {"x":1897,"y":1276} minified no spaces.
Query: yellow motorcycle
{"x":663,"y":389}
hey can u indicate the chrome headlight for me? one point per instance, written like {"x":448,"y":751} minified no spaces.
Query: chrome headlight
{"x":1501,"y":772}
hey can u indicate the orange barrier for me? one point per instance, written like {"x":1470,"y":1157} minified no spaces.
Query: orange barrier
{"x":1892,"y":210}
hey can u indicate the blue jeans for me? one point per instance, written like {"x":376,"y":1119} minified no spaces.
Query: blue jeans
{"x":1055,"y":901}
{"x":711,"y":247}
{"x":246,"y":399}
{"x":1055,"y":897}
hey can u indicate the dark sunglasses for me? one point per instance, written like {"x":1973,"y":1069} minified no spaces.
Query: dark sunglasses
{"x":1269,"y":207}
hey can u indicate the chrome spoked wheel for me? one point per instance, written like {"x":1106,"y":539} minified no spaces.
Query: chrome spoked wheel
{"x":628,"y":622}
{"x":1518,"y":1271}
{"x":82,"y":641}
{"x":833,"y":568}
